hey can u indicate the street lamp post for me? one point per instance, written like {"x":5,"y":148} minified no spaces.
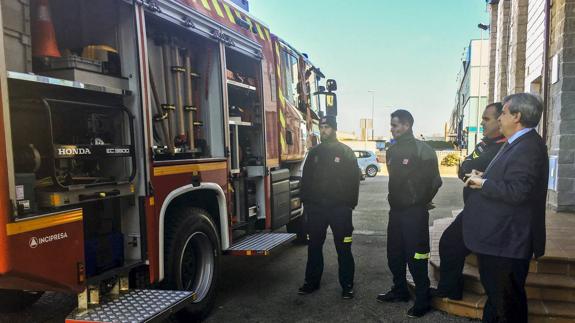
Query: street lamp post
{"x":482,"y":27}
{"x":372,"y":112}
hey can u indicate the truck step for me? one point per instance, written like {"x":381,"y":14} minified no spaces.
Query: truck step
{"x":259,"y":244}
{"x":138,"y":305}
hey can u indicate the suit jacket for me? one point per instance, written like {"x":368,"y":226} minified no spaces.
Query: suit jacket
{"x":506,"y":217}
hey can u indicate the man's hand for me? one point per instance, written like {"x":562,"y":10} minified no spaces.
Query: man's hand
{"x":474,"y":172}
{"x":474,"y":181}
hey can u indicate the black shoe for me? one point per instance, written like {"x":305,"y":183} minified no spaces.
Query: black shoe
{"x":435,"y":292}
{"x":347,"y":293}
{"x":393,"y":296}
{"x":307,"y":289}
{"x":417,"y":311}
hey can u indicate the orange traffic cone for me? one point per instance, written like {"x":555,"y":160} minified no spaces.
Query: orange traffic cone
{"x":43,"y":36}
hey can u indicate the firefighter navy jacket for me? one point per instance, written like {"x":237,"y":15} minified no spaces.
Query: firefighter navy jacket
{"x":330,"y":176}
{"x":413,"y":173}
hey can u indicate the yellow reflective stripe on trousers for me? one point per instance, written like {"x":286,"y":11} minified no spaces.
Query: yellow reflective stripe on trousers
{"x":347,"y":240}
{"x":420,"y":256}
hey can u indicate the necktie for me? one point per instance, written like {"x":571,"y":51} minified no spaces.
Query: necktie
{"x":499,"y":153}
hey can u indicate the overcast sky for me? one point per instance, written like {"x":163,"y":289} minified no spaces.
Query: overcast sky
{"x":408,"y":51}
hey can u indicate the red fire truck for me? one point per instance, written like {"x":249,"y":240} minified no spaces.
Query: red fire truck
{"x":139,"y":142}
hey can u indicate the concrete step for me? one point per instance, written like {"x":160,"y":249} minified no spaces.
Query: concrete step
{"x":546,"y":287}
{"x":472,"y":305}
{"x":543,"y":265}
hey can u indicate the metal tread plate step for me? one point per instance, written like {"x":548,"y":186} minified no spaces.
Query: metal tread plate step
{"x":138,"y":305}
{"x":259,"y":244}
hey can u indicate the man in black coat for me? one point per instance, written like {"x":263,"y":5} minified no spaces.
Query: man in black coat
{"x":504,"y":218}
{"x":452,"y":250}
{"x":487,"y":148}
{"x":329,"y":192}
{"x":413,"y":182}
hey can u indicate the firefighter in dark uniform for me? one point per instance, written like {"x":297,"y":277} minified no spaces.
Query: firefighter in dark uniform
{"x":329,"y":192}
{"x":413,"y":182}
{"x":488,"y":147}
{"x":452,"y":250}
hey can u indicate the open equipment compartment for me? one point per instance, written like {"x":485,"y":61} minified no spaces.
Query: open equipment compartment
{"x":75,"y":119}
{"x":247,"y":149}
{"x":186,"y":92}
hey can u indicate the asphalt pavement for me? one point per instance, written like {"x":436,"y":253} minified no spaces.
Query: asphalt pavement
{"x":264,"y":289}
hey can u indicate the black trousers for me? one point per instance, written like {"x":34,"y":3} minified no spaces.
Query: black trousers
{"x":340,"y":221}
{"x":452,"y":253}
{"x":504,"y":282}
{"x":408,"y":244}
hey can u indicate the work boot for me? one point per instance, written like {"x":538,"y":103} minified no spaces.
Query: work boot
{"x":307,"y":288}
{"x":418,"y":311}
{"x":347,"y":293}
{"x":436,"y":292}
{"x":393,"y":296}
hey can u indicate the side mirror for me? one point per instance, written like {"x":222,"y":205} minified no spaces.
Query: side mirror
{"x":331,"y":85}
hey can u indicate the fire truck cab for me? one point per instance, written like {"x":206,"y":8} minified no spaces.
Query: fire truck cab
{"x":140,"y":141}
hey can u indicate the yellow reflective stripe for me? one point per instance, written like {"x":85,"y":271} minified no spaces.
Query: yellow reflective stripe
{"x":238,"y":13}
{"x":182,"y":169}
{"x":282,"y":119}
{"x":475,"y":155}
{"x":229,"y":13}
{"x":283,"y":142}
{"x":277,"y":50}
{"x":282,"y":99}
{"x":206,"y":4}
{"x":267,"y":34}
{"x":249,"y":22}
{"x":218,"y":9}
{"x":43,"y":222}
{"x":260,"y":31}
{"x":421,"y":256}
{"x":347,"y":239}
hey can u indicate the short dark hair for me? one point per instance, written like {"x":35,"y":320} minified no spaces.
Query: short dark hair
{"x":403,"y":116}
{"x":498,"y":107}
{"x":530,"y":106}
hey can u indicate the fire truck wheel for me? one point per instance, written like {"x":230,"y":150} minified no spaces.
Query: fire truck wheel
{"x":17,"y":300}
{"x":192,"y":258}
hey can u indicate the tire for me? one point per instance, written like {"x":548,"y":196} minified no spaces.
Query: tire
{"x":17,"y":300}
{"x":192,"y":256}
{"x":371,"y":171}
{"x":297,"y":226}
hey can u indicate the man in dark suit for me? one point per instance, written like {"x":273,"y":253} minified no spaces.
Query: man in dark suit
{"x":504,"y":217}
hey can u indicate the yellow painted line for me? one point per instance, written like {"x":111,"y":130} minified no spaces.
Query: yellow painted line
{"x":282,"y":119}
{"x":249,"y":22}
{"x":277,"y":51}
{"x":181,"y":169}
{"x":218,"y":9}
{"x":206,"y":5}
{"x":44,"y":222}
{"x":260,"y":31}
{"x":267,"y":34}
{"x":229,"y":13}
